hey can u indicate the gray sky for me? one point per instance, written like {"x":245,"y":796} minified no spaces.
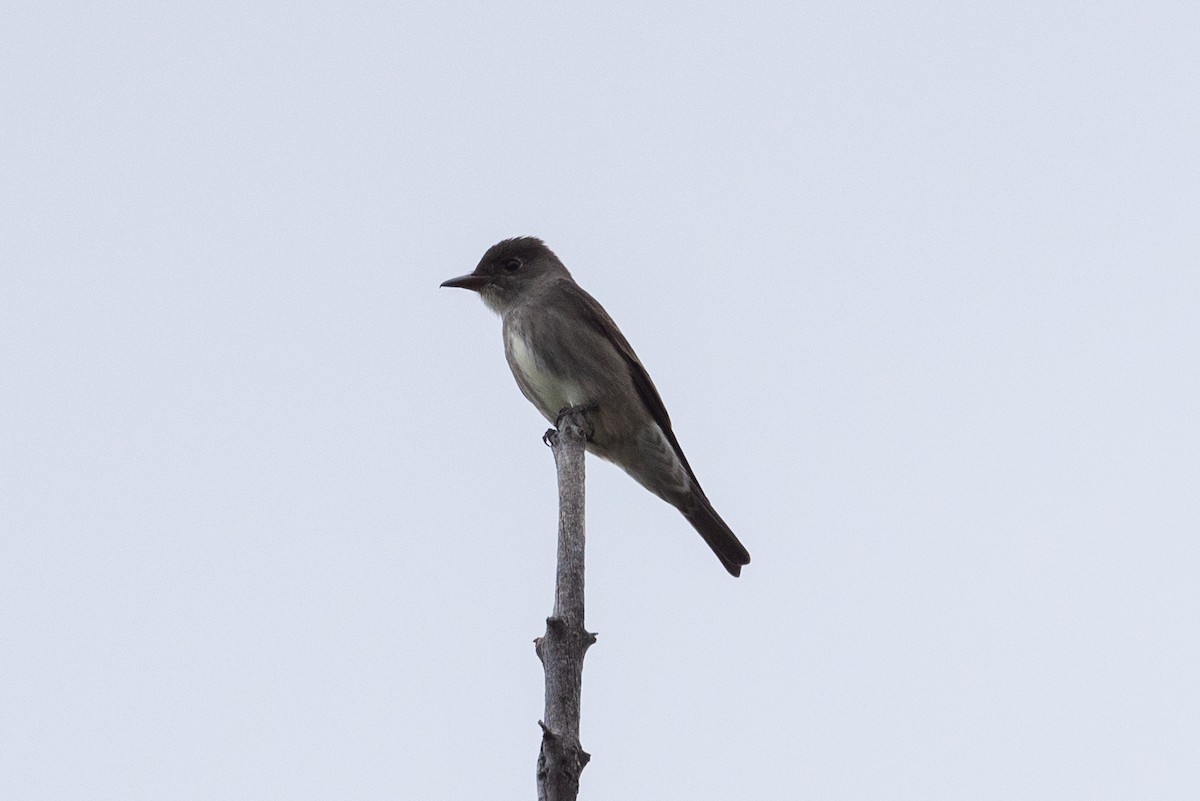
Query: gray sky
{"x":919,"y":284}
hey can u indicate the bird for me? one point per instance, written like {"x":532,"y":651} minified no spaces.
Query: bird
{"x":566,"y":353}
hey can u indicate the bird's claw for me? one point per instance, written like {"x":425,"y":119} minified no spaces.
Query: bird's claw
{"x":582,"y":411}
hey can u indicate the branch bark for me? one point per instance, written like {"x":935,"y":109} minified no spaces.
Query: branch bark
{"x":562,"y":648}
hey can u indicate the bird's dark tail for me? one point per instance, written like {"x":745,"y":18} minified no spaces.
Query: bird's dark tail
{"x":712,"y":528}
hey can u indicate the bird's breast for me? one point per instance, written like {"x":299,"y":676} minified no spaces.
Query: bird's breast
{"x":548,"y":390}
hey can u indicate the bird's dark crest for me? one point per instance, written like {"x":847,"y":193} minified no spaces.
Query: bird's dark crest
{"x":525,"y":248}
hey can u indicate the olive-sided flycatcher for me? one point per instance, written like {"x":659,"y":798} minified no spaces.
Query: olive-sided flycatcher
{"x":565,"y":352}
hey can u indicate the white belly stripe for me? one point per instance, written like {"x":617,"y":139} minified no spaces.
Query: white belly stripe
{"x":552,"y":392}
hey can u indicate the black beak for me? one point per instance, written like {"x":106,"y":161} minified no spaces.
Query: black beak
{"x":471,"y":281}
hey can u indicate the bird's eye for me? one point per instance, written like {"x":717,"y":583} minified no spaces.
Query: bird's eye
{"x":512,"y":265}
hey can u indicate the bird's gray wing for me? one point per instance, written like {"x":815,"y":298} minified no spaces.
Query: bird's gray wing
{"x":595,"y":317}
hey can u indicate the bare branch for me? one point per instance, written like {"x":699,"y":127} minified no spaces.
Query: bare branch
{"x":562,"y":648}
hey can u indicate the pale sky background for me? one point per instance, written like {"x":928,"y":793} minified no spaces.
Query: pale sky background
{"x":919,"y":284}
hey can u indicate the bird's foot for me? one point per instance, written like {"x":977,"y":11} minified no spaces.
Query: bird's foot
{"x":582,"y":412}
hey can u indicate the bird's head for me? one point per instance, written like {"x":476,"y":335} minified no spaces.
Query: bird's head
{"x":511,"y":270}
